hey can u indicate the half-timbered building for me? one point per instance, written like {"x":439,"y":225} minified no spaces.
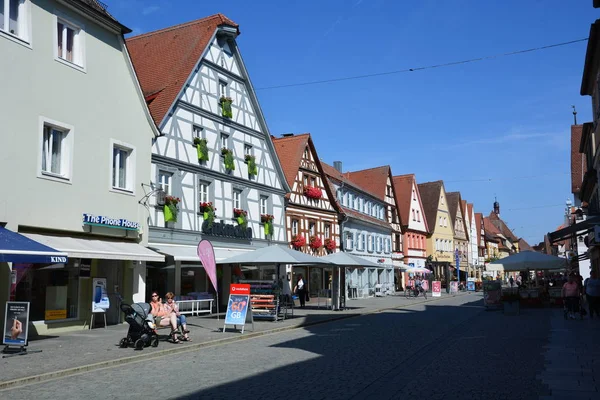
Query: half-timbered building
{"x":365,"y":232}
{"x":461,"y":235}
{"x":215,"y":160}
{"x":311,"y":210}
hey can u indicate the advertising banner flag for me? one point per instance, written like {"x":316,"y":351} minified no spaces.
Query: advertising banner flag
{"x":436,"y":288}
{"x":16,"y":323}
{"x":206,"y":253}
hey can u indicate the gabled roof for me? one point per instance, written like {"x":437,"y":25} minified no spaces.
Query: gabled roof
{"x":97,"y":9}
{"x":490,"y":230}
{"x":404,"y":185}
{"x":430,"y":193}
{"x":523,"y":245}
{"x":344,"y":177}
{"x":501,"y":226}
{"x":478,"y":222}
{"x":372,"y":179}
{"x":165,"y":59}
{"x":470,"y":213}
{"x":453,"y":203}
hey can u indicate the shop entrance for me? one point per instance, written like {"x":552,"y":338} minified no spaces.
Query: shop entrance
{"x":112,"y":270}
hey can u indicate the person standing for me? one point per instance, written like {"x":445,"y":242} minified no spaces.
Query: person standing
{"x":570,"y":293}
{"x":592,"y":293}
{"x":300,"y":290}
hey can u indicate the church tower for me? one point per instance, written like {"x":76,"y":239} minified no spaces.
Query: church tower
{"x":496,"y":207}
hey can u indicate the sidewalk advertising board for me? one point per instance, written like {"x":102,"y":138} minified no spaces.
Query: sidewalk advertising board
{"x":16,"y":322}
{"x":453,"y":287}
{"x":471,"y":284}
{"x":425,"y":285}
{"x":239,"y":310}
{"x":436,"y":288}
{"x":100,"y":302}
{"x":492,"y":293}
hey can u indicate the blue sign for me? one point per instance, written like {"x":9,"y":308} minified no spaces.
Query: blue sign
{"x":237,"y":308}
{"x":98,"y":220}
{"x":457,"y":259}
{"x":471,"y":286}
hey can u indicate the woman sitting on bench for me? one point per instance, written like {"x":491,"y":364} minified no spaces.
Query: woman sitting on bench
{"x":163,"y":316}
{"x":173,"y":309}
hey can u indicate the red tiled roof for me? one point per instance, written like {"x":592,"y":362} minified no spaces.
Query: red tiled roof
{"x":502,"y":227}
{"x":372,"y":179}
{"x":164,"y":59}
{"x":344,"y":177}
{"x":404,"y":185}
{"x":430,"y":194}
{"x":523,"y":245}
{"x":364,"y":217}
{"x":478,"y":221}
{"x":490,"y":228}
{"x":290,"y":150}
{"x":578,"y":163}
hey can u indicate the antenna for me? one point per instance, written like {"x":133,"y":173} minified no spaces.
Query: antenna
{"x":574,"y":115}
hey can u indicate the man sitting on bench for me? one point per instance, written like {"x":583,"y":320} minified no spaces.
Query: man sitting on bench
{"x":164,"y":317}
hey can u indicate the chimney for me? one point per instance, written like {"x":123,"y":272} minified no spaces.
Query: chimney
{"x":338,"y":165}
{"x":287,"y":134}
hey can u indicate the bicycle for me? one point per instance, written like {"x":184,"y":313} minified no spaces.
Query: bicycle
{"x":411,"y":291}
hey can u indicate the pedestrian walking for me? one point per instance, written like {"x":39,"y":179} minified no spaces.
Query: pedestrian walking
{"x":511,"y":280}
{"x":300,"y":290}
{"x":570,"y":294}
{"x":592,"y":293}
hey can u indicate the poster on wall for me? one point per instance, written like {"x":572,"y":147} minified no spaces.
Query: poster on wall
{"x":436,"y":288}
{"x":100,"y":302}
{"x":15,"y":323}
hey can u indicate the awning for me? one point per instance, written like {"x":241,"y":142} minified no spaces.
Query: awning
{"x":17,"y":248}
{"x":98,"y":249}
{"x":190,"y":253}
{"x":574,"y":230}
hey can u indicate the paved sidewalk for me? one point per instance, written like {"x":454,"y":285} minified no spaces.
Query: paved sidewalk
{"x":85,"y":350}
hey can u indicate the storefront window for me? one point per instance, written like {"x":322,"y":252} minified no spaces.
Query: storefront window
{"x":52,"y":290}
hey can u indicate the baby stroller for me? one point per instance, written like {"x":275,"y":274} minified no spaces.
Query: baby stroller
{"x":572,"y":306}
{"x":141,"y":331}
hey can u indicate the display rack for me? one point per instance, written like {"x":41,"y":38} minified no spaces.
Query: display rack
{"x":264,"y":297}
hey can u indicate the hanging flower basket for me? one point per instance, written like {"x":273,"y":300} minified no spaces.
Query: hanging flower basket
{"x":330,"y":244}
{"x":208,"y":212}
{"x":228,"y":159}
{"x":225,"y":103}
{"x":267,"y":220}
{"x":241,"y":216}
{"x":202,"y":148}
{"x":315,"y":242}
{"x":252,"y":168}
{"x":170,"y":208}
{"x":298,"y":241}
{"x":313,"y":192}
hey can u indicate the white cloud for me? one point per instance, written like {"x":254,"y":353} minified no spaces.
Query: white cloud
{"x":150,"y":10}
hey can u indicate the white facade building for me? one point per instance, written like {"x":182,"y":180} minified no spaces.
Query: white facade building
{"x":473,"y":242}
{"x":75,"y":153}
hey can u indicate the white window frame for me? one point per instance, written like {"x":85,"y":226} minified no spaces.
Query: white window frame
{"x":224,"y":140}
{"x":327,"y":230}
{"x":248,"y":150}
{"x":79,"y":53}
{"x":295,"y":223}
{"x":223,"y":84}
{"x":130,"y":168}
{"x":203,"y":191}
{"x":264,"y":204}
{"x":370,"y":244}
{"x":169,"y":184}
{"x":236,"y":196}
{"x":349,"y":240}
{"x":23,"y":35}
{"x":197,"y":132}
{"x":67,"y":144}
{"x":378,"y":245}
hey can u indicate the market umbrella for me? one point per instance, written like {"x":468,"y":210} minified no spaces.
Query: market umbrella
{"x":343,"y":259}
{"x":274,"y":255}
{"x":417,"y":270}
{"x":530,"y":260}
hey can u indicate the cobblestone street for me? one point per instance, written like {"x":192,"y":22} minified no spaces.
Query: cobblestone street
{"x":452,"y":348}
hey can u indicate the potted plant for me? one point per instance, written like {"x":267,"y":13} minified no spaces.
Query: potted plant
{"x":267,"y":220}
{"x":315,"y":242}
{"x":208,"y":212}
{"x":225,"y":103}
{"x":330,"y":245}
{"x":201,"y":146}
{"x":228,"y":159}
{"x":511,"y":302}
{"x":252,"y":168}
{"x":298,"y":241}
{"x":241,"y":216}
{"x":312,"y":192}
{"x":170,"y":208}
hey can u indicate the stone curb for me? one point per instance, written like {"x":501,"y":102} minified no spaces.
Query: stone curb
{"x":193,"y":347}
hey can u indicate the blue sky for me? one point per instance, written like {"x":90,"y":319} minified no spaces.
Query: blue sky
{"x":504,"y":119}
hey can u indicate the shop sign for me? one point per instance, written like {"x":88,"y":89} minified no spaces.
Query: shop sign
{"x":227,"y":230}
{"x":238,"y":288}
{"x":99,"y":220}
{"x":436,"y":288}
{"x":50,"y":315}
{"x":16,"y":323}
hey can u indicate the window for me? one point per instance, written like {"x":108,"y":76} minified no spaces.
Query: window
{"x":363,"y":242}
{"x":379,"y":244}
{"x":164,"y":181}
{"x":294,"y":227}
{"x":418,"y":216}
{"x":312,"y":228}
{"x":327,"y":231}
{"x":442,"y":200}
{"x":361,"y":205}
{"x":222,"y":88}
{"x":197,"y":132}
{"x":305,"y":179}
{"x":370,"y":243}
{"x":203,"y":191}
{"x":69,"y":42}
{"x":445,"y":221}
{"x":414,"y":195}
{"x":313,"y":181}
{"x":350,"y":200}
{"x":389,"y":190}
{"x":264,"y":202}
{"x":397,"y":242}
{"x":247,"y":150}
{"x":414,"y":215}
{"x":441,"y":221}
{"x":53,"y":151}
{"x":437,"y":244}
{"x":237,"y":198}
{"x":224,"y":140}
{"x":13,"y":18}
{"x":349,"y":240}
{"x":122,"y":168}
{"x":306,"y":153}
